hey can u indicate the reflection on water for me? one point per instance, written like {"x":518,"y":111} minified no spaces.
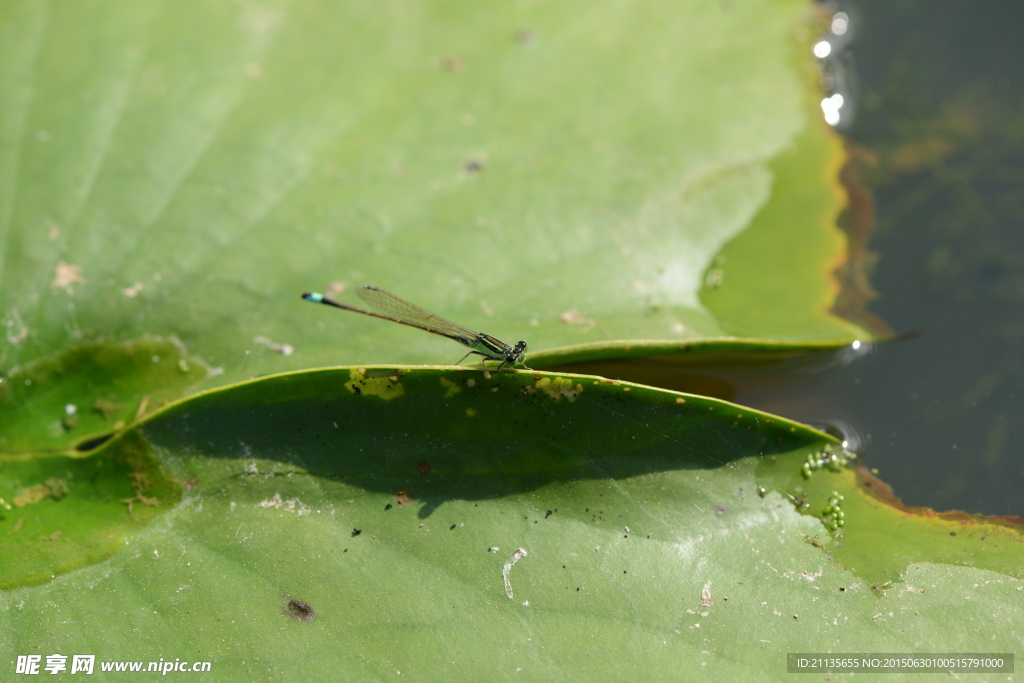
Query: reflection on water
{"x":834,"y":72}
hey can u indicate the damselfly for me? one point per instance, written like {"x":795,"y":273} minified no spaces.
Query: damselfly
{"x":395,"y":309}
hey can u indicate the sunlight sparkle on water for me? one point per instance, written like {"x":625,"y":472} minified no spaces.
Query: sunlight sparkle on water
{"x":840,"y":22}
{"x":831,"y":106}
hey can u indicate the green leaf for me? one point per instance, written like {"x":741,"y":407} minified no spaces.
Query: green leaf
{"x":570,"y":174}
{"x":60,"y":513}
{"x":43,"y":406}
{"x":388,"y":504}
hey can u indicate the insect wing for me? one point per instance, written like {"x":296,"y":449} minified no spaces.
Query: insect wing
{"x":390,"y":305}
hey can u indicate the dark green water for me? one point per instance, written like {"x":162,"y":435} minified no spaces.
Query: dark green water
{"x":938,"y":100}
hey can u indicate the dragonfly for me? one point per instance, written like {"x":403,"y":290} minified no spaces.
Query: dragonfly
{"x":387,"y":306}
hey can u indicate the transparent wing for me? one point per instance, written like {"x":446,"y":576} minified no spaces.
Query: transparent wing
{"x":401,"y":310}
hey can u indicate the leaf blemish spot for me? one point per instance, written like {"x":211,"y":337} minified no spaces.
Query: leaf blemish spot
{"x":299,"y":610}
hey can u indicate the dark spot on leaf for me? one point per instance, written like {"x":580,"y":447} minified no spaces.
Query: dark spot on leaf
{"x":90,"y":444}
{"x":423,"y":467}
{"x":388,"y":506}
{"x":452,"y":63}
{"x":356,"y":532}
{"x":299,"y":610}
